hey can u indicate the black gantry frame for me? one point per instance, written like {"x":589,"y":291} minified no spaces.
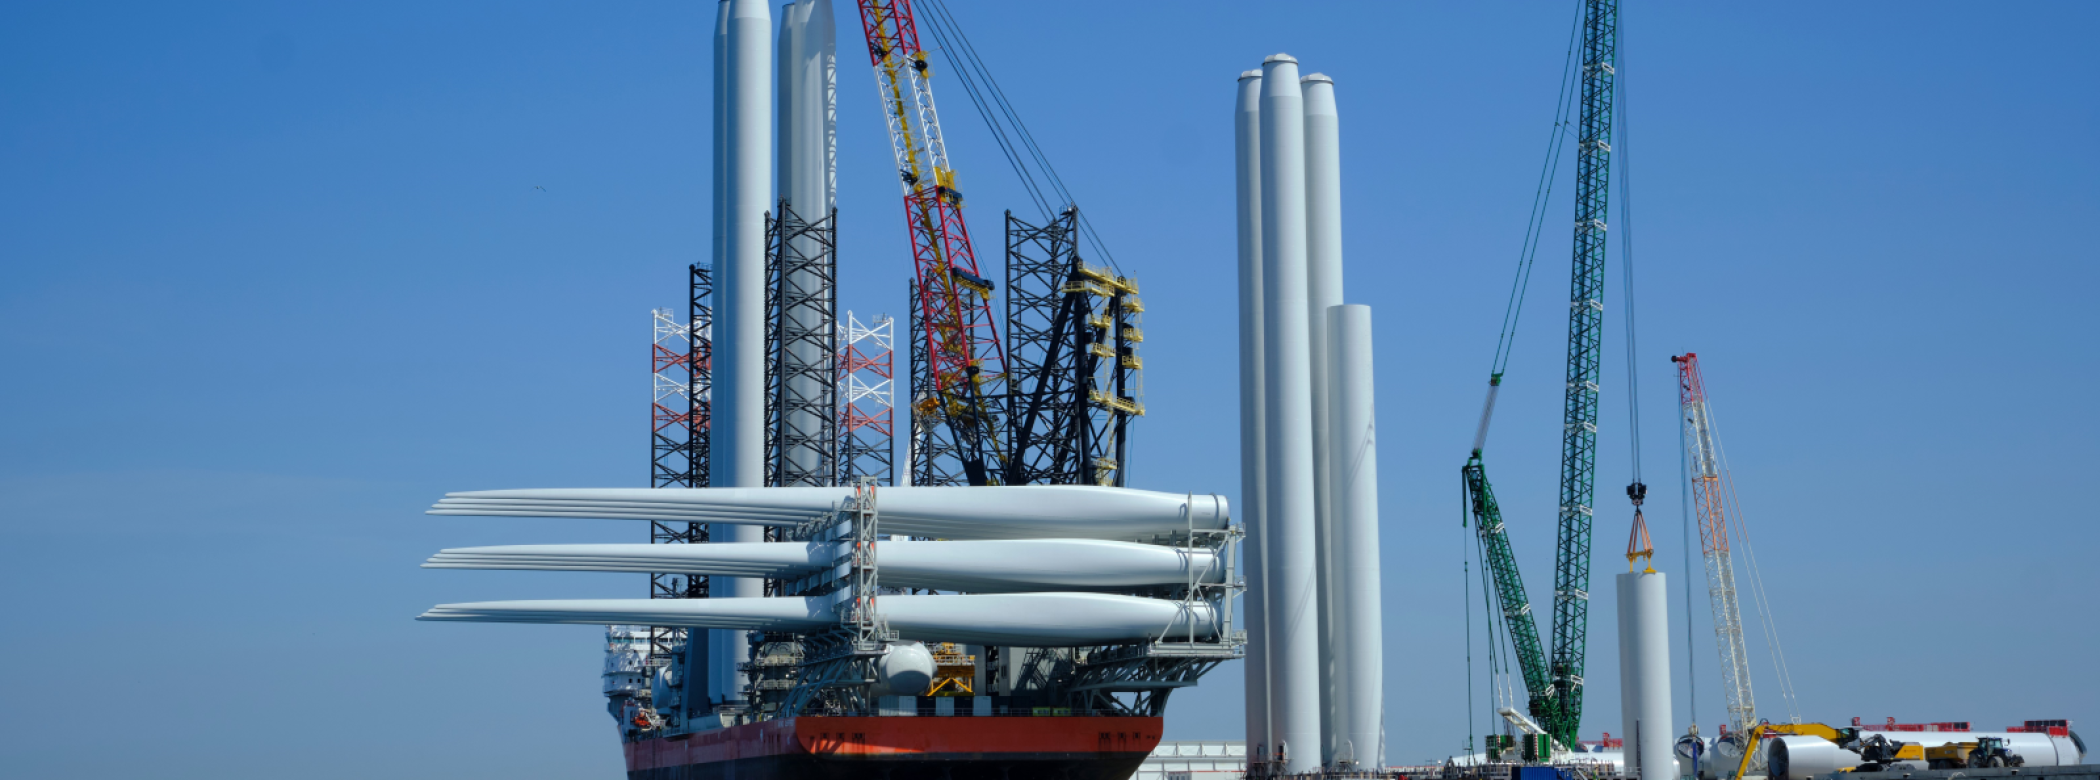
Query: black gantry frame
{"x":1046,"y":351}
{"x":1072,"y":348}
{"x":802,"y":350}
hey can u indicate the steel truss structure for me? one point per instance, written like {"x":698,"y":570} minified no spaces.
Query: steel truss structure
{"x":1578,"y":451}
{"x":801,"y":345}
{"x":1072,"y":334}
{"x":1508,"y":583}
{"x":831,"y":670}
{"x":671,"y":453}
{"x":700,"y":302}
{"x":1710,"y":498}
{"x":867,"y":400}
{"x":1135,"y":679}
{"x":679,"y":410}
{"x":964,"y":367}
{"x":935,"y":460}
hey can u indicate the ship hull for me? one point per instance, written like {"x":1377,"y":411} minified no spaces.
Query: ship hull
{"x":903,"y":748}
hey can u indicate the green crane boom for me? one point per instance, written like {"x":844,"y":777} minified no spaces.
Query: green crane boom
{"x":1578,"y":448}
{"x":1509,"y":586}
{"x":1554,"y":689}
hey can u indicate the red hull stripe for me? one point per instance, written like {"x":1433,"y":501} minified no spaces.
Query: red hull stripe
{"x":850,"y":739}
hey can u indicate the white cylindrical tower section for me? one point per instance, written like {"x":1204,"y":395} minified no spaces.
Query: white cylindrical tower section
{"x":822,"y":62}
{"x":719,"y":233}
{"x":1644,"y":675}
{"x":786,"y":83}
{"x":1289,"y":490}
{"x":816,"y":97}
{"x":738,"y":446}
{"x":718,"y":236}
{"x":1353,"y":440}
{"x":737,"y":452}
{"x":803,"y":57}
{"x":1246,"y":133}
{"x":1323,"y":276}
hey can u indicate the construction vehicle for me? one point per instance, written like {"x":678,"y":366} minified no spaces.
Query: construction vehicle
{"x":1992,"y":752}
{"x":1880,"y":754}
{"x":1753,"y":739}
{"x":1949,"y":756}
{"x":1983,"y":753}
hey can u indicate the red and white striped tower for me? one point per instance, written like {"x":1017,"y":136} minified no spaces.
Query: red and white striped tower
{"x":867,"y":398}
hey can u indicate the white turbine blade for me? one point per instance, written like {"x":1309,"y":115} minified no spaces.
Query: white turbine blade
{"x":980,"y":566}
{"x":1026,"y":619}
{"x":725,"y":559}
{"x":997,"y":566}
{"x":1010,"y":512}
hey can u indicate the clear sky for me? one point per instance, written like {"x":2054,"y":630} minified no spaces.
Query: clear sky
{"x":273,"y":277}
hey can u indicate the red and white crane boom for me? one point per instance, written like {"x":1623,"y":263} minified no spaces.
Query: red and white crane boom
{"x":962,"y":346}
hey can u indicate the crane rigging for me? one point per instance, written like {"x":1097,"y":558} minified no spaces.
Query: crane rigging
{"x":1713,"y":500}
{"x":1553,"y":683}
{"x":963,"y":355}
{"x":1703,"y":469}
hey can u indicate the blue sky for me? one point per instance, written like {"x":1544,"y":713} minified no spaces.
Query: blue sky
{"x":273,"y":277}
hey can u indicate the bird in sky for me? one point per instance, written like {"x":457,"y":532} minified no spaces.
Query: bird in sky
{"x":540,"y":188}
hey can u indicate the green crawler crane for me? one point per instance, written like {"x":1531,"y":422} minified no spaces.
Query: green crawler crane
{"x":1553,"y":684}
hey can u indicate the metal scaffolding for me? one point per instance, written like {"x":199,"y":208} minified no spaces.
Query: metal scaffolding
{"x":802,"y":349}
{"x":671,"y":452}
{"x":700,"y":302}
{"x":678,"y":440}
{"x":867,"y":399}
{"x":935,"y":460}
{"x":1072,"y":334}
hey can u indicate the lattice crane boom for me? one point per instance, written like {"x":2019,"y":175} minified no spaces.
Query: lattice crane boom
{"x":1553,"y":683}
{"x":1709,"y":500}
{"x":962,"y":346}
{"x":1578,"y":454}
{"x":1508,"y":584}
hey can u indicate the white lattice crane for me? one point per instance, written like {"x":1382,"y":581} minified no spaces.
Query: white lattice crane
{"x":1710,"y":494}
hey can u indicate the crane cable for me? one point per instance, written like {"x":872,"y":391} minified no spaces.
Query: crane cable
{"x":1636,"y":490}
{"x":1005,"y":123}
{"x":1534,"y":228}
{"x":1499,"y":682}
{"x":1691,"y":670}
{"x":1757,"y":580}
{"x":1465,"y":603}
